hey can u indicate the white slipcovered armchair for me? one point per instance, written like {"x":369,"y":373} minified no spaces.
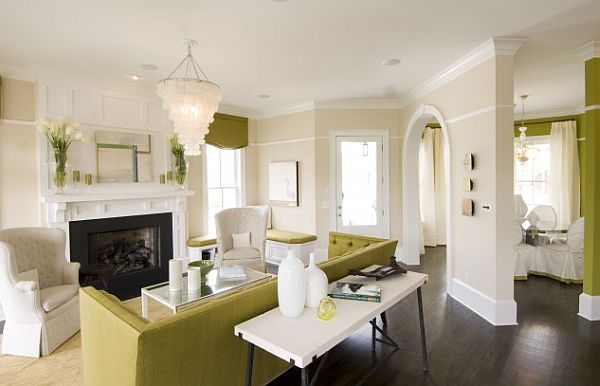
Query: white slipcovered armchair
{"x":524,"y":254}
{"x":38,"y":291}
{"x":563,"y":261}
{"x":236,"y":221}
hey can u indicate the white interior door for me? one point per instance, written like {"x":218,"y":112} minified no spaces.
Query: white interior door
{"x":359,"y":185}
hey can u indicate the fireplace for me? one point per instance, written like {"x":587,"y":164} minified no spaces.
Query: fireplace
{"x":137,"y":247}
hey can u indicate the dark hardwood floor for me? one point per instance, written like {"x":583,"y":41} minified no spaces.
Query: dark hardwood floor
{"x":550,"y":346}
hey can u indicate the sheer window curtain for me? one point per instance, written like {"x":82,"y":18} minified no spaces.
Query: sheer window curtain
{"x":564,"y":171}
{"x":432,"y":191}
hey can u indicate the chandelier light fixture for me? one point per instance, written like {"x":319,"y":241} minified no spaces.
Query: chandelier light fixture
{"x":190,"y":100}
{"x":522,"y":142}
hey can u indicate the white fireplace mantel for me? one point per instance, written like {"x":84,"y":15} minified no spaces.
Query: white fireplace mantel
{"x":60,"y":209}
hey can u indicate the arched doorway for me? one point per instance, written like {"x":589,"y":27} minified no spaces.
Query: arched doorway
{"x":410,"y":186}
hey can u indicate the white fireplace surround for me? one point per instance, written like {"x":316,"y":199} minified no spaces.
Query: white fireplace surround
{"x":60,"y":209}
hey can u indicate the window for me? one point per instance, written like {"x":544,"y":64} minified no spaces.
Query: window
{"x":223,"y":182}
{"x":531,"y":177}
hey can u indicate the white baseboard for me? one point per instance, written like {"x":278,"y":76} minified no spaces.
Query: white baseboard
{"x":401,"y":258}
{"x":589,"y":307}
{"x":497,"y":312}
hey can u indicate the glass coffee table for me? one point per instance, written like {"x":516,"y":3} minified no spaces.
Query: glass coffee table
{"x":212,"y":287}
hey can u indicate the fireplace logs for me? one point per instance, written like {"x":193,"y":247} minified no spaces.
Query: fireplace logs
{"x":126,"y":256}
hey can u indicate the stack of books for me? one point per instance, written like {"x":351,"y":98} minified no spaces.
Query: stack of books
{"x":233,"y":272}
{"x":355,"y":291}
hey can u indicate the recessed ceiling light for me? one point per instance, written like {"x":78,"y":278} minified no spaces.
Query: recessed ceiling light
{"x":264,"y":96}
{"x":391,"y":62}
{"x":134,"y":76}
{"x":149,"y":67}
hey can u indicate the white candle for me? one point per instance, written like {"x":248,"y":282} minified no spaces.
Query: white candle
{"x":193,"y":280}
{"x":175,"y":275}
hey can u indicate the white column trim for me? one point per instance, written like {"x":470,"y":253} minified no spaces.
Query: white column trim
{"x":496,"y":312}
{"x":592,"y":107}
{"x":477,"y":112}
{"x":589,"y":307}
{"x":589,"y":50}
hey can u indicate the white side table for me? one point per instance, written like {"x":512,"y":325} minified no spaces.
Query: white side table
{"x":302,"y":340}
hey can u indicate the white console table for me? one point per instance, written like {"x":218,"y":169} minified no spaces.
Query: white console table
{"x":302,"y":340}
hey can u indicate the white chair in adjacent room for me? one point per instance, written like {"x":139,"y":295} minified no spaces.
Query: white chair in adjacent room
{"x":39,"y":291}
{"x":524,"y":254}
{"x":241,"y":237}
{"x":520,"y":208}
{"x":542,"y":217}
{"x":563,"y":261}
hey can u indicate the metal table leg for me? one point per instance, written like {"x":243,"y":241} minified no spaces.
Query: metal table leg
{"x":383,"y":318}
{"x":422,"y":323}
{"x":144,"y":305}
{"x":373,"y":336}
{"x":304,"y":376}
{"x":249,"y":364}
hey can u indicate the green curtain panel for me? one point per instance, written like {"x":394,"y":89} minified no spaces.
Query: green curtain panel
{"x":228,"y":132}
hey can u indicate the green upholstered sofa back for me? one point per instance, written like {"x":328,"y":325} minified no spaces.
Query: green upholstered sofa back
{"x":195,"y":346}
{"x":342,"y":243}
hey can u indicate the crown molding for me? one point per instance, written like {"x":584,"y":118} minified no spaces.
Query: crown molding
{"x":487,"y":50}
{"x":237,"y":111}
{"x":284,"y":110}
{"x":359,"y":104}
{"x":11,"y":71}
{"x":557,"y":112}
{"x":589,"y":50}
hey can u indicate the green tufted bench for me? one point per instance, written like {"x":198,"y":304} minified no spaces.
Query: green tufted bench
{"x":197,"y":244}
{"x":278,"y":243}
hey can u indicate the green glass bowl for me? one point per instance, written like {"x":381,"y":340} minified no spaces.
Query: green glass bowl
{"x":205,"y":266}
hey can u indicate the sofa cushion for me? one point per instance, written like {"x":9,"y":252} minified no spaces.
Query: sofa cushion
{"x":288,"y":237}
{"x":202,"y":241}
{"x":241,"y":253}
{"x":342,"y":243}
{"x":54,"y":297}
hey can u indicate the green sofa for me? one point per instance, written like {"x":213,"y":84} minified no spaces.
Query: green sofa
{"x":197,"y":346}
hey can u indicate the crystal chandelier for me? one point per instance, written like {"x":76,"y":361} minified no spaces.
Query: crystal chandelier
{"x":522,"y":142}
{"x":191,"y":101}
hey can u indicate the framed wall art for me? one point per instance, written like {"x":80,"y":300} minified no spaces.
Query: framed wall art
{"x":283,"y":183}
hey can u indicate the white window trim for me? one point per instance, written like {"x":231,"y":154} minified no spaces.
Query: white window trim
{"x":241,"y":180}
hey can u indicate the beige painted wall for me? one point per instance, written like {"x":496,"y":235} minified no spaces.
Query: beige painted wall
{"x":18,"y":170}
{"x":284,"y":138}
{"x":481,"y":244}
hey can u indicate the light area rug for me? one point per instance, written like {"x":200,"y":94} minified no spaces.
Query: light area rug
{"x":64,"y":366}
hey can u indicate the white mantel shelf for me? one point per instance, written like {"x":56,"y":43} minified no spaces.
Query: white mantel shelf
{"x":110,"y":196}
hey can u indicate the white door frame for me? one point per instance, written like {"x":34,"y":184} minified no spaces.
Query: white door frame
{"x":410,"y":188}
{"x":384,"y":134}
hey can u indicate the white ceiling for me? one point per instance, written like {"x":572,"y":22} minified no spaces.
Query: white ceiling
{"x":300,"y":50}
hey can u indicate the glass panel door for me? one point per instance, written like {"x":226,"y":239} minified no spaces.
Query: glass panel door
{"x":359,"y":185}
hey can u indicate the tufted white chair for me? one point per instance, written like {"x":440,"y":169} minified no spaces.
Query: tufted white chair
{"x":241,"y":220}
{"x":38,"y":291}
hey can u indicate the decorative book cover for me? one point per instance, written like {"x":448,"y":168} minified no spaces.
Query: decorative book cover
{"x":354,"y":291}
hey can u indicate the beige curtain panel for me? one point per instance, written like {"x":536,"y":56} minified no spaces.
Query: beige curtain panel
{"x":228,"y":132}
{"x":564,"y":171}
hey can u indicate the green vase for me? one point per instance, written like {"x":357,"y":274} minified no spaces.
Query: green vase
{"x":326,"y":309}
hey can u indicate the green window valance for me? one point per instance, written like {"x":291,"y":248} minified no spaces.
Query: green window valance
{"x":228,"y":132}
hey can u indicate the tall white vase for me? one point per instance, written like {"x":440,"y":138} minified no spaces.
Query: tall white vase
{"x":291,"y":284}
{"x":316,"y":283}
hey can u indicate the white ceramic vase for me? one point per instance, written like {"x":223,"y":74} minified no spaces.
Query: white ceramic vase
{"x":175,"y":275}
{"x":291,"y":286}
{"x":316,"y":283}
